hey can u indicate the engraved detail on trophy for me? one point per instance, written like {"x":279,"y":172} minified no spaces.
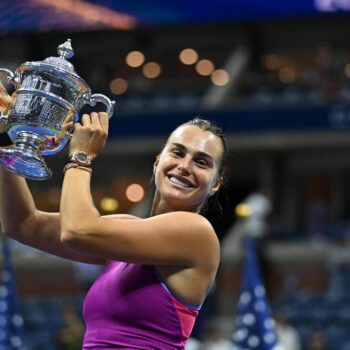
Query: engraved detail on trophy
{"x":48,"y":94}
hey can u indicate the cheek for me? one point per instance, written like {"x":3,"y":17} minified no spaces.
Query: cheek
{"x":208,"y":179}
{"x":159,"y":172}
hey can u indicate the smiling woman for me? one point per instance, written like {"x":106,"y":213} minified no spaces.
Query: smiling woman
{"x":159,"y":269}
{"x":191,"y":163}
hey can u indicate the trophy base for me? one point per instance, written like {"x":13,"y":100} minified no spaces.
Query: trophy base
{"x":24,"y":159}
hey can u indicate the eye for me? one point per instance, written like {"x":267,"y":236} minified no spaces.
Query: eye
{"x":177,"y":152}
{"x":202,"y":163}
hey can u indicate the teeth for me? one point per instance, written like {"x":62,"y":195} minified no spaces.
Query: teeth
{"x":178,"y":182}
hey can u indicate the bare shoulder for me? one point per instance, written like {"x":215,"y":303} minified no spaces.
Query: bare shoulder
{"x":178,"y":222}
{"x":200,"y":238}
{"x":189,"y":219}
{"x":192,"y":225}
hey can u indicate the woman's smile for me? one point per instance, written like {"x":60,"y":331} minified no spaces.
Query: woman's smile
{"x":180,"y":181}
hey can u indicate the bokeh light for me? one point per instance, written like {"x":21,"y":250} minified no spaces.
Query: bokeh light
{"x":243,"y":210}
{"x":135,"y":59}
{"x":286,"y":75}
{"x":151,"y":70}
{"x":205,"y":67}
{"x":109,"y":204}
{"x":134,"y":193}
{"x":220,"y":77}
{"x":118,"y":86}
{"x":188,"y":56}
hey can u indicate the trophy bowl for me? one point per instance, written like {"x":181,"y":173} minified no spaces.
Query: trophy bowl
{"x":48,"y":95}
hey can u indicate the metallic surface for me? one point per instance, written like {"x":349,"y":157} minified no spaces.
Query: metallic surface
{"x":48,"y":96}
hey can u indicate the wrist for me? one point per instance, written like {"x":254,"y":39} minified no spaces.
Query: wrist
{"x":76,"y":166}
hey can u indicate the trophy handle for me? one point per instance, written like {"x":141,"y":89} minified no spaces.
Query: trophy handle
{"x":93,"y":99}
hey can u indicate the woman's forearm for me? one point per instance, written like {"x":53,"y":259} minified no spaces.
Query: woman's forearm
{"x":16,"y":202}
{"x":77,"y":210}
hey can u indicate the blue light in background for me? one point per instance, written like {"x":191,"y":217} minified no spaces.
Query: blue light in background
{"x":43,"y":15}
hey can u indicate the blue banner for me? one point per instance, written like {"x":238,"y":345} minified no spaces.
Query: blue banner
{"x":255,"y":327}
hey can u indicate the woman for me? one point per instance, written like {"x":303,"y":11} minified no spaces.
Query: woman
{"x":159,"y":269}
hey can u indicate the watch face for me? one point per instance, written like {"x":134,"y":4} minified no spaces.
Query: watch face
{"x":82,"y":158}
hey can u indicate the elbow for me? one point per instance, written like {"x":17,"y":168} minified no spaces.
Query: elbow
{"x":74,"y":234}
{"x":74,"y":229}
{"x":67,"y":236}
{"x":77,"y":239}
{"x":72,"y":239}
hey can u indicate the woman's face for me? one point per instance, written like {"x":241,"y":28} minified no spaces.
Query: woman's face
{"x":186,"y":172}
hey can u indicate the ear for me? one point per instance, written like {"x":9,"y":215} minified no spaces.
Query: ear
{"x":216,"y":186}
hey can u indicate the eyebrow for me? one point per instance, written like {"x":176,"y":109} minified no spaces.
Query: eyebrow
{"x":200,"y":153}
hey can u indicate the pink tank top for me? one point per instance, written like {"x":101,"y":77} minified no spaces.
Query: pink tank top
{"x":130,"y":307}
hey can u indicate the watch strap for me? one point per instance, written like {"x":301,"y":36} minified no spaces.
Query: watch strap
{"x":76,"y":166}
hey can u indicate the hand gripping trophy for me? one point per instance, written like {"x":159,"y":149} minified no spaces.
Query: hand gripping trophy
{"x":49,"y":94}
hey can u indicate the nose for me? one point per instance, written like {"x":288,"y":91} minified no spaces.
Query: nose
{"x":184,"y":166}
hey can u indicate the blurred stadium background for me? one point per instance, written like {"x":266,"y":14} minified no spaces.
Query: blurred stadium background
{"x":274,"y":75}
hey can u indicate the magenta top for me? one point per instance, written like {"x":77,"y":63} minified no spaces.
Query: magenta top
{"x":130,"y":307}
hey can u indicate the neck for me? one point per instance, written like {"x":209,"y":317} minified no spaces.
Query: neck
{"x":160,"y":206}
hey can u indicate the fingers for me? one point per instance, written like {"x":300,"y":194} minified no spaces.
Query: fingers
{"x":104,"y":120}
{"x":99,"y":119}
{"x":96,"y":120}
{"x":85,"y":120}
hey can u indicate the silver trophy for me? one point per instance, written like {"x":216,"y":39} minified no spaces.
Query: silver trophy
{"x":49,"y":94}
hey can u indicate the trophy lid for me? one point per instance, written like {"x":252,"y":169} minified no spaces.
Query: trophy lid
{"x":59,"y":66}
{"x":65,"y":51}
